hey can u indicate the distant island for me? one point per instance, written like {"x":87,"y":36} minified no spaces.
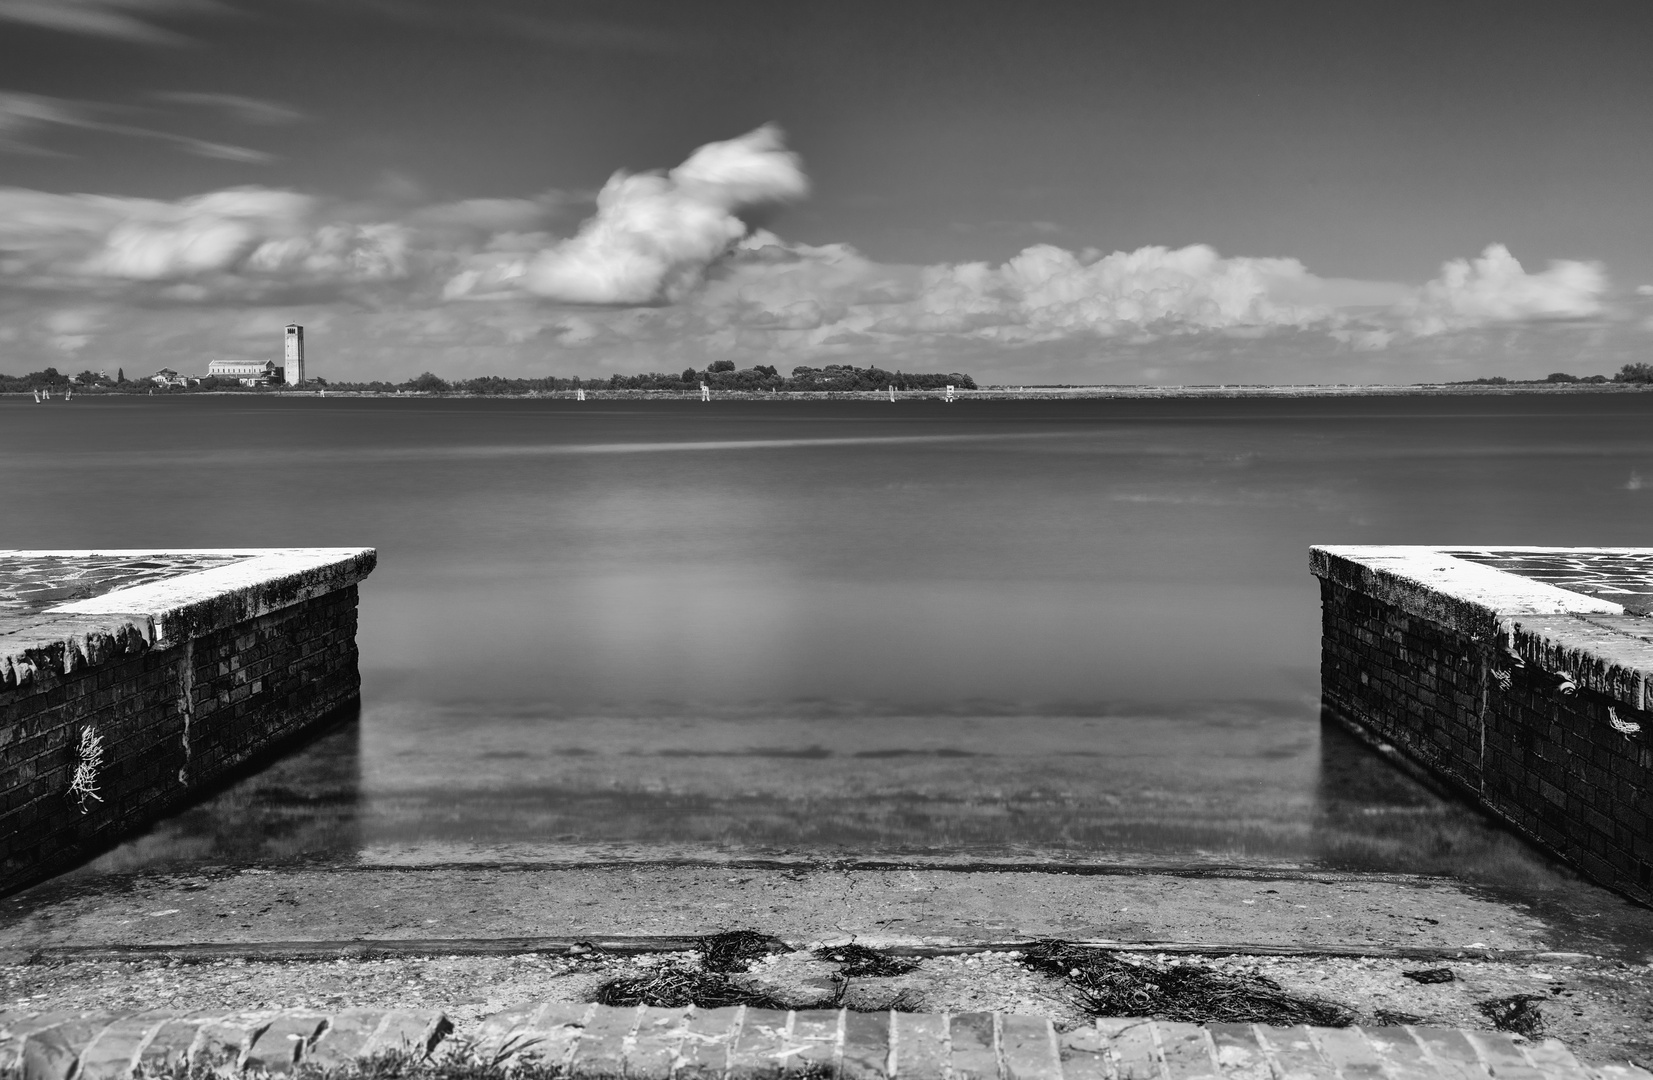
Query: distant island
{"x":765,"y":381}
{"x":720,"y":376}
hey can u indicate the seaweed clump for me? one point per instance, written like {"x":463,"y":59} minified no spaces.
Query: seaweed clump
{"x":858,"y":961}
{"x":708,"y":984}
{"x":1111,"y":985}
{"x":1517,"y":1013}
{"x":675,"y":986}
{"x":734,"y":950}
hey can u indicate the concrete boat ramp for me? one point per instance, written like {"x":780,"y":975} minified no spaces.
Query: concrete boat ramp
{"x":130,"y":968}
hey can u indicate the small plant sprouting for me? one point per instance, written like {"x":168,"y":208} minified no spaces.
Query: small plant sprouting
{"x":83,"y":785}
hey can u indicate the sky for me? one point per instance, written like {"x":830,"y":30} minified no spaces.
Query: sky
{"x":1031,"y":193}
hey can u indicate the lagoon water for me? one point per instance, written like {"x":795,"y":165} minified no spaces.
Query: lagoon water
{"x":1078,"y":632}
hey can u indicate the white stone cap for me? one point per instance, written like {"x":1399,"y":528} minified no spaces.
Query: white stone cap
{"x":172,"y":610}
{"x":1595,"y":641}
{"x":1404,"y":568}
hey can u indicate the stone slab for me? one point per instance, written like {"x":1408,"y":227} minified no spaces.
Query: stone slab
{"x":1489,"y":594}
{"x":213,"y":589}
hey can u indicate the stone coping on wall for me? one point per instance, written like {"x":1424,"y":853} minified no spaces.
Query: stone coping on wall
{"x":1510,"y":596}
{"x":116,"y":602}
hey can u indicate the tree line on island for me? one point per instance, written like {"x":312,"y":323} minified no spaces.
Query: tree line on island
{"x":720,"y":375}
{"x":1630,"y":373}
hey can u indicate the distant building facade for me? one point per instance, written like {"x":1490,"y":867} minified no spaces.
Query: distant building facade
{"x":294,"y":355}
{"x":246,"y":372}
{"x":167,"y":377}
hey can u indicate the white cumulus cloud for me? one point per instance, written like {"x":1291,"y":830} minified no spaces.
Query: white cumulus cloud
{"x":1051,"y":291}
{"x":1495,"y":288}
{"x":654,"y":235}
{"x":236,"y":245}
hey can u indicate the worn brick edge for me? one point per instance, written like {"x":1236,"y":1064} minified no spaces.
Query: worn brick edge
{"x":1557,"y":630}
{"x":582,"y":1040}
{"x":159,"y":615}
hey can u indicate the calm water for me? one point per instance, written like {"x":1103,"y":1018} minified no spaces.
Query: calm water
{"x":1079,"y":631}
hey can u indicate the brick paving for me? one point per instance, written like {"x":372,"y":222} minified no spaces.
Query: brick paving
{"x":738,"y":1043}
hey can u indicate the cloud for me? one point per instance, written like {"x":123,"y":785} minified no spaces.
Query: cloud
{"x":25,"y":118}
{"x":673,"y":270}
{"x":654,"y":236}
{"x":235,"y":246}
{"x":244,"y":109}
{"x":1048,"y":291}
{"x":128,"y":20}
{"x":548,"y":24}
{"x":1496,"y":289}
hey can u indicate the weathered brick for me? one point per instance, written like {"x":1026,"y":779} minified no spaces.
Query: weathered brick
{"x":654,"y":1048}
{"x":1132,"y":1048}
{"x":760,"y":1049}
{"x":408,"y":1031}
{"x":708,"y":1033}
{"x":1187,"y":1052}
{"x":866,"y":1050}
{"x":1239,"y":1054}
{"x":279,"y":1047}
{"x":816,"y":1035}
{"x":921,"y":1048}
{"x":1027,"y":1046}
{"x":974,"y":1052}
{"x":601,"y":1051}
{"x":54,"y":1053}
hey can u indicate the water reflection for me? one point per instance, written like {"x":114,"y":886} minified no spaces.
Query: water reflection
{"x":1374,"y":812}
{"x":305,"y":806}
{"x":1263,"y":784}
{"x":1078,"y":631}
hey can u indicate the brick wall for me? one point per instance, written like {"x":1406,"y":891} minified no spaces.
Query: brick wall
{"x":1568,"y":767}
{"x":172,"y":721}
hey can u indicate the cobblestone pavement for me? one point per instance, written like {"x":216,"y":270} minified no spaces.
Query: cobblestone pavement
{"x":739,"y":1042}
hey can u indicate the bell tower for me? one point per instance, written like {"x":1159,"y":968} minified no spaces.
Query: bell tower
{"x":294,"y":372}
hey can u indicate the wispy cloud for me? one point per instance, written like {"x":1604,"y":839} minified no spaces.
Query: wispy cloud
{"x":24,"y":116}
{"x":244,"y":109}
{"x":533,"y":20}
{"x":129,"y":20}
{"x":26,"y":119}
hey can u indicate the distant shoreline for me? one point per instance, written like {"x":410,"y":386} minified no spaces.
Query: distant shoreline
{"x":985,"y":393}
